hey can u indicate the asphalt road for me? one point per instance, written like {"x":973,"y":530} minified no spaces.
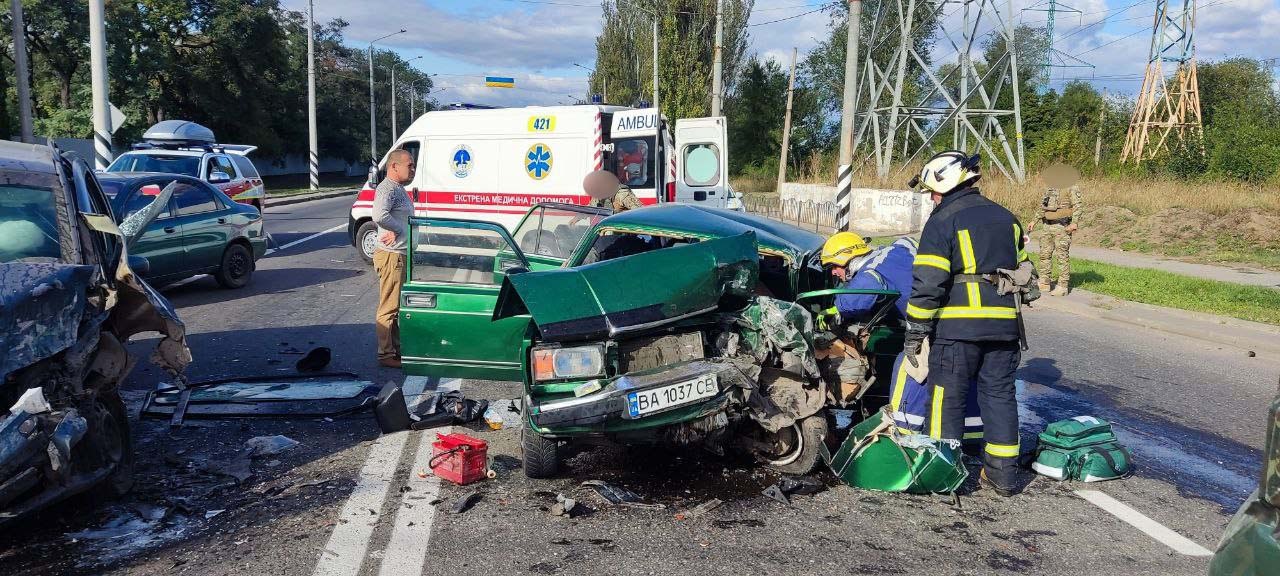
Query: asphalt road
{"x":349,"y":502}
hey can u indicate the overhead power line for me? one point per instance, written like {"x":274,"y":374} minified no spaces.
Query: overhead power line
{"x":818,"y":9}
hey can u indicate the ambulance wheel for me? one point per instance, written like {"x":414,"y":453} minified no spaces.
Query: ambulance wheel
{"x":367,"y":241}
{"x":798,"y":447}
{"x":541,"y":455}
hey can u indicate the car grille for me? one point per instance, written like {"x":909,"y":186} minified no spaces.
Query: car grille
{"x":653,"y":352}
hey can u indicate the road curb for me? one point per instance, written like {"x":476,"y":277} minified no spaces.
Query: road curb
{"x":1248,"y":336}
{"x":308,"y":197}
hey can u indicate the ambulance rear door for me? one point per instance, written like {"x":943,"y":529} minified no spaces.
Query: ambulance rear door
{"x":702,"y":161}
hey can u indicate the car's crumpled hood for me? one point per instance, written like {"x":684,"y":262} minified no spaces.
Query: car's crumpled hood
{"x":632,"y":293}
{"x":41,"y":307}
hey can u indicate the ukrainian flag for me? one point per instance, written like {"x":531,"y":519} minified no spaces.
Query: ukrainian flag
{"x":499,"y":82}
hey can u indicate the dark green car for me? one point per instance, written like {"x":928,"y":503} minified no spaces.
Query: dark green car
{"x":1251,"y":544}
{"x":671,"y":324}
{"x":201,"y":232}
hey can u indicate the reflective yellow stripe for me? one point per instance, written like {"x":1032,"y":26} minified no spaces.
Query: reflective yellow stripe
{"x":966,"y":252}
{"x":978,"y":312}
{"x":1017,"y":243}
{"x":972,"y":435}
{"x":1002,"y":450}
{"x":920,"y":313}
{"x":931,"y":260}
{"x":935,"y":417}
{"x":899,"y":382}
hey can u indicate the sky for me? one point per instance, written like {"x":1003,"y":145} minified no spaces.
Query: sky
{"x":549,"y":45}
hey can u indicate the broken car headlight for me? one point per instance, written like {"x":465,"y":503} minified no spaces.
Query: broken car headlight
{"x":561,"y":363}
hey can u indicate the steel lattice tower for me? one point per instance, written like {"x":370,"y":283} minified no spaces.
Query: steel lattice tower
{"x":904,"y":104}
{"x":1167,"y":105}
{"x":1053,"y":57}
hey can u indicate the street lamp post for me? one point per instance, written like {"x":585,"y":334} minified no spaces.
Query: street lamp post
{"x":604,"y":82}
{"x":394,"y":130}
{"x":373,"y":119}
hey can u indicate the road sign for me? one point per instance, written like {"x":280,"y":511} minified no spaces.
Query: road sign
{"x":117,"y":118}
{"x":499,"y":82}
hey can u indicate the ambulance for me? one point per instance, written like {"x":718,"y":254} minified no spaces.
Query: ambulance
{"x":493,"y":164}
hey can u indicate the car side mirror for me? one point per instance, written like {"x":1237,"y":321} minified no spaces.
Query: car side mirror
{"x":219,"y":178}
{"x":140,"y":265}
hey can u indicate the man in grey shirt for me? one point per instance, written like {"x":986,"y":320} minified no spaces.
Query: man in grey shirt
{"x":392,"y":208}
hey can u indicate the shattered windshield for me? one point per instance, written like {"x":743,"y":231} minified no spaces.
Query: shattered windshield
{"x":167,"y":163}
{"x":28,"y":224}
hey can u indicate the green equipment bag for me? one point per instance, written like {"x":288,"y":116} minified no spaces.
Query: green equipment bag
{"x":876,"y":457}
{"x":1082,"y":448}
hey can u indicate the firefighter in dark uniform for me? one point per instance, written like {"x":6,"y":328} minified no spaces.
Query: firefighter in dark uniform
{"x":974,"y":332}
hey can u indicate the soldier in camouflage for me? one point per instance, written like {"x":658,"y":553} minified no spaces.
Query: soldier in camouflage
{"x":606,"y":192}
{"x":1058,"y":217}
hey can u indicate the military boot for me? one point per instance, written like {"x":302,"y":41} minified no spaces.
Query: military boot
{"x":1043,"y":284}
{"x":1063,"y":287}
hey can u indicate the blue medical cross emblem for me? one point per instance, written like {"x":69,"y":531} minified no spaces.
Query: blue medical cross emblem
{"x":538,"y":163}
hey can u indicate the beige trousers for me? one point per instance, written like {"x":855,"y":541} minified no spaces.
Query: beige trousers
{"x":390,"y":268}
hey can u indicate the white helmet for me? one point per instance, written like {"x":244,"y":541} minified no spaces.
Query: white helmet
{"x":947,"y":171}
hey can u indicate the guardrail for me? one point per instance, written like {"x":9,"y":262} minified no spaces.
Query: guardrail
{"x":817,"y":216}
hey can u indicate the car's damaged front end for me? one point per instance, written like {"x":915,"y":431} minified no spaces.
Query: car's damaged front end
{"x":67,"y":314}
{"x":691,"y":357}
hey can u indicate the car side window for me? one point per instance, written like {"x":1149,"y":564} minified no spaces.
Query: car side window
{"x":224,"y":165}
{"x":143,"y":197}
{"x":190,"y":199}
{"x":245,"y":166}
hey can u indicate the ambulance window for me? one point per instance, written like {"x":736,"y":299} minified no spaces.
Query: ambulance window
{"x":632,"y":162}
{"x":413,"y":146}
{"x":701,"y":165}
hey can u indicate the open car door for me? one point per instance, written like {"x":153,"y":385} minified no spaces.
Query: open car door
{"x":702,"y":161}
{"x":551,"y":230}
{"x":454,"y":271}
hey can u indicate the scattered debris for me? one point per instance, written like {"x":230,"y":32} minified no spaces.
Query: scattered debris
{"x":432,"y":411}
{"x":316,"y":360}
{"x":569,"y":507}
{"x":776,"y":493}
{"x":1252,"y":354}
{"x":465,"y":503}
{"x":269,"y":445}
{"x":699,"y":510}
{"x":502,"y":413}
{"x":459,"y":458}
{"x":128,"y":530}
{"x":212,"y":513}
{"x":313,"y":395}
{"x":237,"y":467}
{"x":619,"y":496}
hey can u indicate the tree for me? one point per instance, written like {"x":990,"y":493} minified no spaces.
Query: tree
{"x":755,"y":113}
{"x":58,"y":31}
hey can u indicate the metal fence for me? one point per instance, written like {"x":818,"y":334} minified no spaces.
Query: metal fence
{"x":817,"y":216}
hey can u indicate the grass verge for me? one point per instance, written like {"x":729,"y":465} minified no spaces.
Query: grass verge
{"x":1254,"y":303}
{"x":294,"y":184}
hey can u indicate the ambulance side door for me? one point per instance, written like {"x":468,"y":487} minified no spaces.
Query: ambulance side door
{"x":702,"y":161}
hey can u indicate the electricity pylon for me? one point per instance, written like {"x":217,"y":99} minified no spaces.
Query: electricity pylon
{"x":1167,"y":105}
{"x":908,"y":103}
{"x":1053,"y":57}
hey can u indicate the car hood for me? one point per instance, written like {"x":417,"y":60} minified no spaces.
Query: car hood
{"x":633,"y":293}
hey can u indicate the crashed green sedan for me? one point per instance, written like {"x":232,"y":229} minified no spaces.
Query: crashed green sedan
{"x":672,"y":324}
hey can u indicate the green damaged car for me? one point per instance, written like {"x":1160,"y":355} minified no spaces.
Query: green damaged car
{"x":1251,"y":544}
{"x":671,"y":324}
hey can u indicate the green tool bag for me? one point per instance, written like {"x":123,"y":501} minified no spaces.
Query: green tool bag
{"x":1082,"y":448}
{"x":876,"y":457}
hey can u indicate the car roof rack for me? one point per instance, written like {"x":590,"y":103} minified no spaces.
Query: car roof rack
{"x":187,"y":136}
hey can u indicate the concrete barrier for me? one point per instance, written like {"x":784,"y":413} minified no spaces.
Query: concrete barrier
{"x":875,"y":212}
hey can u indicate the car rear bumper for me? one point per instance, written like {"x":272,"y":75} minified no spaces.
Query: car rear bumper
{"x":605,"y":412}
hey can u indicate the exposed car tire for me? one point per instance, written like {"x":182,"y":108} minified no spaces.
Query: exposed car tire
{"x":119,"y":447}
{"x":237,"y":267}
{"x":367,"y":241}
{"x":541,"y":455}
{"x":804,"y":441}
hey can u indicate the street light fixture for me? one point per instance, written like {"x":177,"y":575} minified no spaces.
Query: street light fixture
{"x":373,"y":119}
{"x":413,"y":92}
{"x":603,"y":82}
{"x":394,"y":130}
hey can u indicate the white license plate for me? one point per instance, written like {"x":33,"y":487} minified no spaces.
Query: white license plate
{"x":646,"y":402}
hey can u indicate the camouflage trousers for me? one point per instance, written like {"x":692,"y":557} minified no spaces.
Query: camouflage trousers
{"x":1055,"y":246}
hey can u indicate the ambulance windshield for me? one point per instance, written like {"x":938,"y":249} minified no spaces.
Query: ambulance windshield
{"x":632,"y":162}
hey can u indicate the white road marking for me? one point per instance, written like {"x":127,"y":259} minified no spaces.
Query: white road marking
{"x":406,"y":552}
{"x":1156,"y":530}
{"x":344,"y":554}
{"x":297,"y":242}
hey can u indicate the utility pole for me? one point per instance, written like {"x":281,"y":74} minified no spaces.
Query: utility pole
{"x":313,"y":146}
{"x":1102,"y":119}
{"x":786,"y":127}
{"x":102,"y":155}
{"x":848,"y":105}
{"x":394,"y":131}
{"x":657,"y":110}
{"x":373,"y":119}
{"x":716,"y":67}
{"x":20,"y":67}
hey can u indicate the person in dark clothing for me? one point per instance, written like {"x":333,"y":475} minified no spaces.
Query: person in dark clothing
{"x":973,"y":330}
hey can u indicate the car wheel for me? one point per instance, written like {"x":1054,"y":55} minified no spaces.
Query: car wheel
{"x":237,"y":267}
{"x":118,"y":446}
{"x":799,"y":447}
{"x":367,"y":241}
{"x":541,"y":455}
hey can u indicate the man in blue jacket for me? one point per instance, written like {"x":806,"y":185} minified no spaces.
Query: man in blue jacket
{"x":852,"y":262}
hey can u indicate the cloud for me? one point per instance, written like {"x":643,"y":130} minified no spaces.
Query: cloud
{"x":531,"y":90}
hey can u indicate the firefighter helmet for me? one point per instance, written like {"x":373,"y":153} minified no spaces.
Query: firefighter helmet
{"x":842,"y":247}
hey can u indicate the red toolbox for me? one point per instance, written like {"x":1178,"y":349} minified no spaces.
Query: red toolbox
{"x":459,"y":458}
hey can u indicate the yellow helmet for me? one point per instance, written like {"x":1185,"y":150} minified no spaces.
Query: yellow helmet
{"x":842,"y":247}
